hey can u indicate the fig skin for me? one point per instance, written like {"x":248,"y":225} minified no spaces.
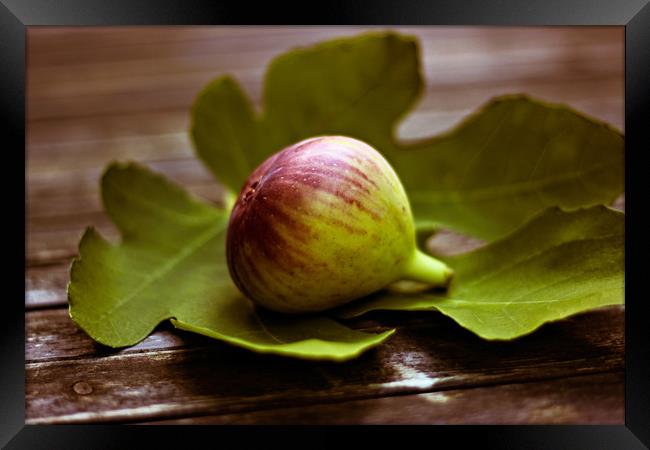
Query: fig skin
{"x":321,"y":223}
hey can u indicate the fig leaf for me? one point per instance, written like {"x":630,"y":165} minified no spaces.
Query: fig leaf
{"x":556,"y":265}
{"x":511,"y":159}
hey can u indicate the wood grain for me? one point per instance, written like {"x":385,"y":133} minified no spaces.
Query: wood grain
{"x":209,"y":377}
{"x":96,"y":95}
{"x":583,"y":400}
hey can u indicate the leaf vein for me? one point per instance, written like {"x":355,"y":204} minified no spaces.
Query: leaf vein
{"x":491,"y":192}
{"x":532,"y":256}
{"x":165,"y":268}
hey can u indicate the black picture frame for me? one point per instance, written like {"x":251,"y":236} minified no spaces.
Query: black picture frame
{"x":634,"y":15}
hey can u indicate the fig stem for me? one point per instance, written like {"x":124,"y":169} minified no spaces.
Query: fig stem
{"x":427,"y":269}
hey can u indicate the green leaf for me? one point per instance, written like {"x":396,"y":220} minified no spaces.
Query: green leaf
{"x":171,"y":265}
{"x":556,"y":265}
{"x":505,"y":163}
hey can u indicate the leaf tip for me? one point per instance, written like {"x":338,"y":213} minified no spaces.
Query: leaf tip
{"x":113,"y":172}
{"x":211,"y":94}
{"x":209,"y":90}
{"x":374,"y":341}
{"x":115,"y":166}
{"x":90,"y":234}
{"x":408,"y":39}
{"x":116,"y":169}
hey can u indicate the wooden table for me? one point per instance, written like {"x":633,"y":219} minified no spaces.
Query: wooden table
{"x":102,"y":94}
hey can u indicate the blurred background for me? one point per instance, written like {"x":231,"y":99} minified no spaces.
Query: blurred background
{"x":123,"y":93}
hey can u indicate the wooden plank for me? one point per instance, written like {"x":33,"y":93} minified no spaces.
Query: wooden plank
{"x":73,"y":46}
{"x":59,"y":248}
{"x":52,"y":335}
{"x":110,"y":46}
{"x":70,"y":182}
{"x":164,"y":75}
{"x":48,"y":39}
{"x":439,"y":64}
{"x":42,"y":134}
{"x":131,"y":77}
{"x":138,"y":101}
{"x":584,"y":400}
{"x":86,"y":154}
{"x":45,"y":286}
{"x":89,"y":214}
{"x":214,"y":378}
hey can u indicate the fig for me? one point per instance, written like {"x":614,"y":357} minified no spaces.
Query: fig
{"x":321,"y":223}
